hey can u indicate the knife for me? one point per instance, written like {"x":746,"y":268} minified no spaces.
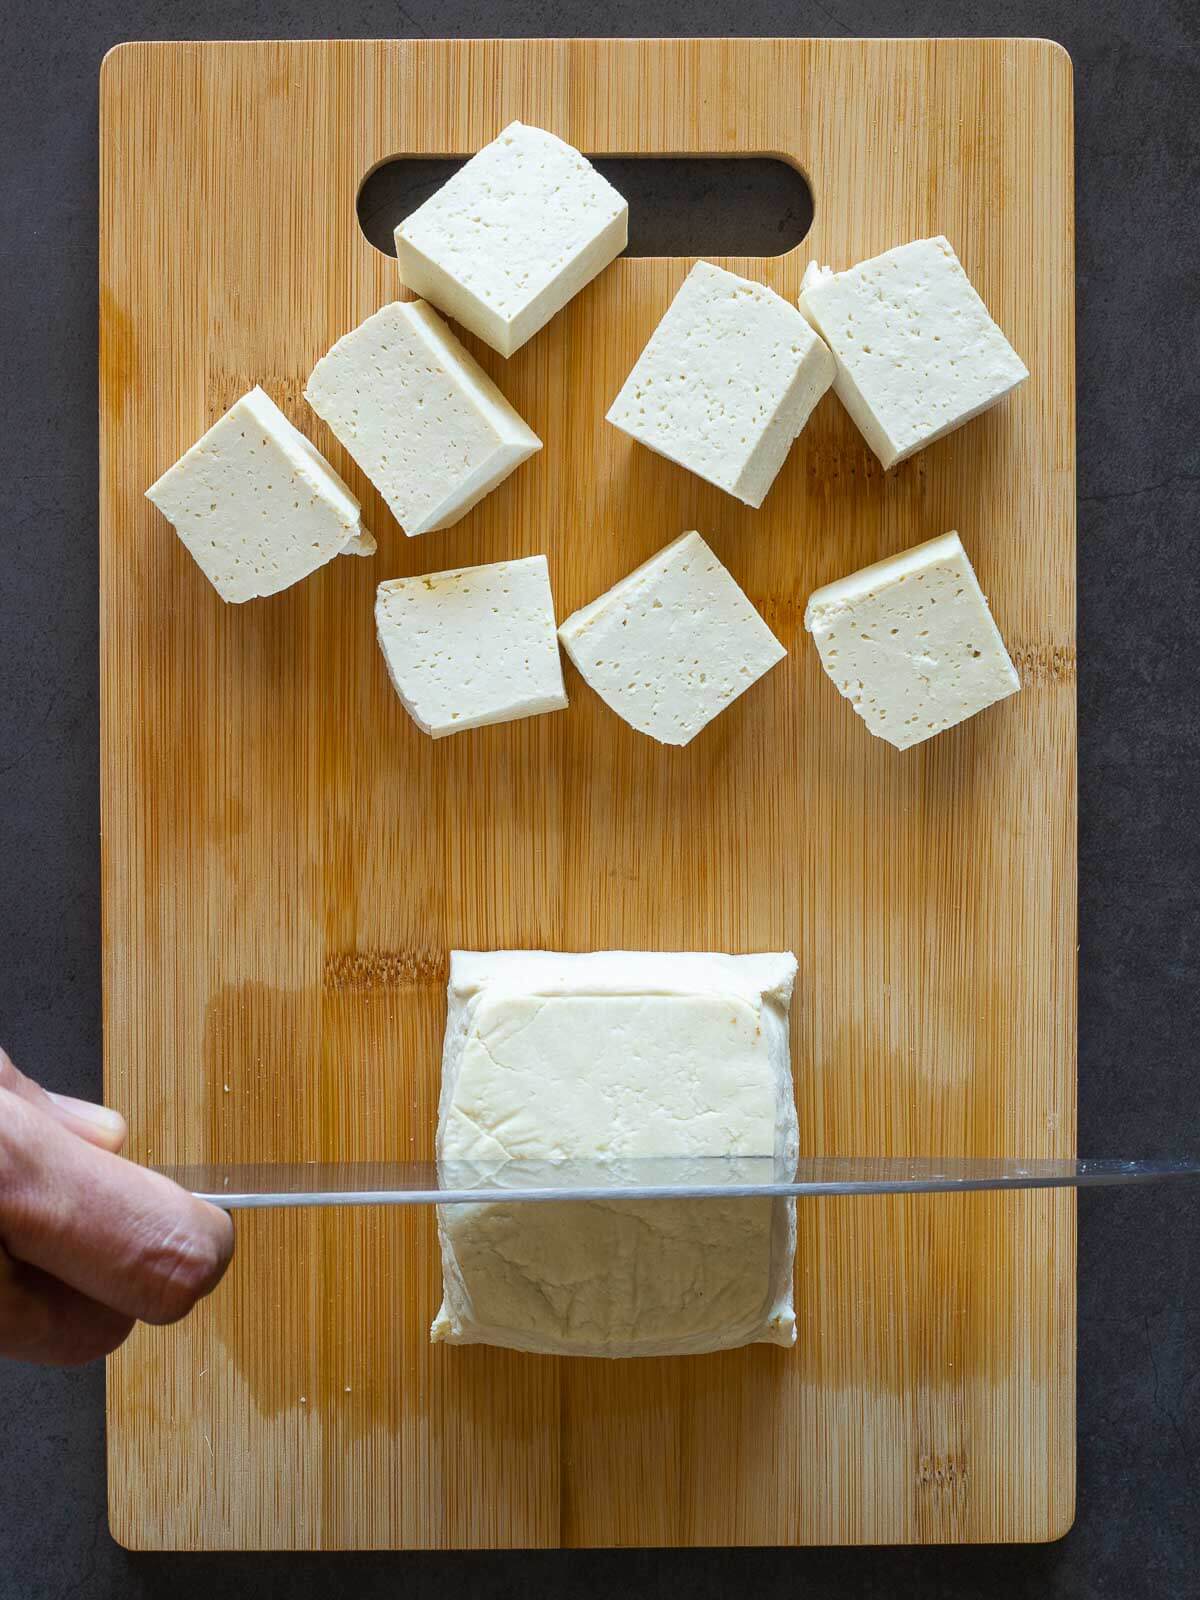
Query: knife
{"x":400,"y":1183}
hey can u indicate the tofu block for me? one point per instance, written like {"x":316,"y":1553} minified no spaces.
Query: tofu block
{"x":726,"y":383}
{"x":512,"y":236}
{"x":419,"y":415}
{"x":473,"y":646}
{"x":911,"y":643}
{"x":257,"y":505}
{"x":917,"y":353}
{"x":616,"y":1055}
{"x":672,"y":644}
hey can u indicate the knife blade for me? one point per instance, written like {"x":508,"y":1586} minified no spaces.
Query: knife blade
{"x":391,"y":1183}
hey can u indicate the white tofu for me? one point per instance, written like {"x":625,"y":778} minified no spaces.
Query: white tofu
{"x":814,"y":274}
{"x":917,"y":353}
{"x":608,"y":1056}
{"x":512,"y":236}
{"x":473,"y":646}
{"x":419,"y":415}
{"x":911,"y":643}
{"x":672,"y":644}
{"x":256,"y":503}
{"x":726,"y":383}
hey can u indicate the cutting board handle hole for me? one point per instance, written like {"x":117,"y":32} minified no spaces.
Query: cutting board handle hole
{"x":678,"y":205}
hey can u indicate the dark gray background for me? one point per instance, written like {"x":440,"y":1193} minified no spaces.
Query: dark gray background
{"x":1138,"y":183}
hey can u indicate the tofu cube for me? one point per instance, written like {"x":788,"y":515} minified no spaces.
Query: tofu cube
{"x":419,"y":415}
{"x":725,"y":385}
{"x":257,"y":505}
{"x":917,"y":353}
{"x":473,"y":646}
{"x":672,"y":644}
{"x":911,"y":643}
{"x":617,"y":1055}
{"x":512,"y":236}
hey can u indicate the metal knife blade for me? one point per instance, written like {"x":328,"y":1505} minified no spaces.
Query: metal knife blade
{"x":660,"y":1178}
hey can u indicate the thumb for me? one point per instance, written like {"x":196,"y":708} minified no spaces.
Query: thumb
{"x":98,"y":1125}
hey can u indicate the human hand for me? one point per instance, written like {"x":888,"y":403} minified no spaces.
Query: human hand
{"x":90,"y":1243}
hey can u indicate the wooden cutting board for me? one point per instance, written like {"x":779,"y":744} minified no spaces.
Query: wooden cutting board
{"x":287,"y":861}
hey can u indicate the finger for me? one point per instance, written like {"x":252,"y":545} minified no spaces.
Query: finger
{"x":115,"y":1231}
{"x":43,"y":1320}
{"x":97,"y":1124}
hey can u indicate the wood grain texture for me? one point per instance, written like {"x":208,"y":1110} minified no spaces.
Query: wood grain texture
{"x":287,"y":860}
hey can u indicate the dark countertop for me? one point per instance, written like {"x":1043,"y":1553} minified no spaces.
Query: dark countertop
{"x":1137,"y":68}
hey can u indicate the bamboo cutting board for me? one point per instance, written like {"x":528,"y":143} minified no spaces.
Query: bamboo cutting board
{"x":287,"y":861}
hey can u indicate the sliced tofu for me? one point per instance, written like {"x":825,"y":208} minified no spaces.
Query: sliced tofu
{"x":472,"y":646}
{"x":419,"y":415}
{"x":917,"y":353}
{"x":726,"y":383}
{"x":911,"y":643}
{"x":673,"y":644}
{"x":512,"y":236}
{"x":257,"y":505}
